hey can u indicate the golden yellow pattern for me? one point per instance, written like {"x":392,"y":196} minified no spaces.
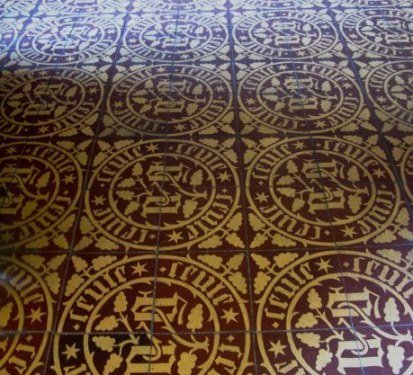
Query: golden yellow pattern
{"x":206,"y":187}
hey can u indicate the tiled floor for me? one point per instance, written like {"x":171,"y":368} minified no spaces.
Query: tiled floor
{"x":206,"y":187}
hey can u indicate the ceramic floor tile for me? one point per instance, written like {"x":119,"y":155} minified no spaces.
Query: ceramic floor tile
{"x":297,"y":290}
{"x":181,"y":6}
{"x":42,"y":194}
{"x":108,"y":294}
{"x":45,"y":102}
{"x":24,"y":353}
{"x":30,"y":287}
{"x":59,"y":7}
{"x":198,"y":218}
{"x":206,"y":292}
{"x":378,"y":284}
{"x":13,"y":9}
{"x":271,"y":5}
{"x":309,"y":352}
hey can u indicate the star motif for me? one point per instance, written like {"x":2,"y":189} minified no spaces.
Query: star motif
{"x":299,"y":145}
{"x":378,"y":173}
{"x":175,"y":237}
{"x":224,"y":176}
{"x":161,"y":70}
{"x":6,"y":237}
{"x":261,"y":197}
{"x":348,"y":231}
{"x":180,"y":127}
{"x":35,"y":315}
{"x":139,"y":269}
{"x":118,"y":105}
{"x":230,"y":315}
{"x":324,"y":265}
{"x":71,"y":351}
{"x":98,"y":200}
{"x":11,"y":150}
{"x":277,"y":348}
{"x":69,"y":179}
{"x":250,"y":101}
{"x":152,"y":147}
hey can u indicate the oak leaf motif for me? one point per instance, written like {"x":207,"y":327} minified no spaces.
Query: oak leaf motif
{"x":186,"y":363}
{"x":195,"y":318}
{"x":214,"y":261}
{"x":307,"y":320}
{"x":108,"y":323}
{"x":112,"y":364}
{"x":105,"y":343}
{"x":260,"y":282}
{"x":238,"y":280}
{"x":121,"y":303}
{"x":310,"y":339}
{"x":395,"y":356}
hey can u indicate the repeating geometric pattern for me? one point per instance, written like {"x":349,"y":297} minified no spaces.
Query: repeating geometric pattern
{"x":206,"y":187}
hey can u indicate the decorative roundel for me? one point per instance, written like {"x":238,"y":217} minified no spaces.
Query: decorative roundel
{"x":292,"y":201}
{"x":148,"y":101}
{"x":83,"y":7}
{"x":287,"y":97}
{"x":119,"y":297}
{"x":276,"y":4}
{"x":16,"y":8}
{"x":385,"y":32}
{"x":390,"y":87}
{"x":67,"y":40}
{"x":307,"y":299}
{"x":178,"y":5}
{"x":361,"y":4}
{"x":40,"y":192}
{"x":26,"y":305}
{"x":47,"y":101}
{"x":7,"y":35}
{"x":187,"y":191}
{"x":159,"y":37}
{"x":406,"y":167}
{"x":285,"y":34}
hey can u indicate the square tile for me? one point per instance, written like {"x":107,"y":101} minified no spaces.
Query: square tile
{"x":324,"y":351}
{"x":378,"y":285}
{"x":24,"y":353}
{"x":297,"y":290}
{"x":58,"y":7}
{"x":46,"y":102}
{"x":108,"y":294}
{"x":42,"y":193}
{"x":30,"y":291}
{"x":206,"y":292}
{"x":194,"y":219}
{"x":16,"y":8}
{"x":386,"y":350}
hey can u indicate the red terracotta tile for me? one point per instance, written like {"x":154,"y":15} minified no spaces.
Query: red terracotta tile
{"x":58,"y":41}
{"x":373,"y":215}
{"x":381,"y":32}
{"x":30,"y":291}
{"x":42,"y":193}
{"x":386,"y":350}
{"x":378,"y":284}
{"x":298,"y":290}
{"x":106,"y":294}
{"x":201,"y":219}
{"x":23,"y":353}
{"x":325,"y":351}
{"x":206,"y":292}
{"x":284,"y":34}
{"x":46,"y":102}
{"x":161,"y":354}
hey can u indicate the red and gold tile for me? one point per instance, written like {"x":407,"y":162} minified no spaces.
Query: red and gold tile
{"x":206,"y":292}
{"x":30,"y":286}
{"x":42,"y":186}
{"x":161,"y":354}
{"x":23,"y":353}
{"x":309,"y":352}
{"x":45,"y":102}
{"x":379,"y":284}
{"x":298,"y":290}
{"x":106,"y":294}
{"x":171,"y":100}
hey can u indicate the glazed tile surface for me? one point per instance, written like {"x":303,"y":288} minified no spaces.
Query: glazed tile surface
{"x":206,"y":187}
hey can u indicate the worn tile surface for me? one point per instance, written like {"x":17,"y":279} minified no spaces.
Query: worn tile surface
{"x":206,"y":187}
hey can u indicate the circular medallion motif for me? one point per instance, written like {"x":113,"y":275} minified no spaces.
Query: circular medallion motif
{"x":181,"y":5}
{"x":147,"y":101}
{"x":390,"y":87}
{"x":186,"y":189}
{"x":47,"y":101}
{"x":298,"y":190}
{"x":369,"y":3}
{"x":81,"y":7}
{"x":119,"y":297}
{"x":407,"y":172}
{"x":308,"y":294}
{"x":287,"y":97}
{"x":67,"y":40}
{"x":385,"y":32}
{"x":7,"y":35}
{"x":285,"y":34}
{"x":159,"y":37}
{"x":39,"y":193}
{"x":25,"y":305}
{"x":277,"y":4}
